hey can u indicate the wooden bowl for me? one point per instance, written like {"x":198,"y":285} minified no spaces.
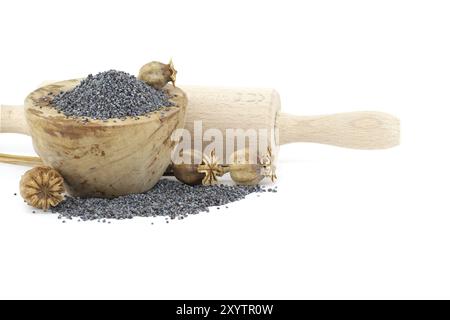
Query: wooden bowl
{"x":103,"y":159}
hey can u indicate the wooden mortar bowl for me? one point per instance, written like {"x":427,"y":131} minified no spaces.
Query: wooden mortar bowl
{"x":103,"y":158}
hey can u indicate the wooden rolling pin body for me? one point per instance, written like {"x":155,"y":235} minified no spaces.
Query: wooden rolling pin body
{"x":240,"y":108}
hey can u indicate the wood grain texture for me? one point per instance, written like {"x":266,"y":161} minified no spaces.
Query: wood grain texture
{"x":12,"y":120}
{"x":359,"y":130}
{"x":103,"y":159}
{"x":232,"y":108}
{"x":241,"y":108}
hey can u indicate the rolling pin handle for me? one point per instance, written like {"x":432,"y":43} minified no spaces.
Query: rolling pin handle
{"x":12,"y":120}
{"x":357,"y":130}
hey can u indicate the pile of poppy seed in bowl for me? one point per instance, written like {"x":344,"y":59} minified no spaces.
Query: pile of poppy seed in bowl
{"x":111,"y":95}
{"x":118,"y":95}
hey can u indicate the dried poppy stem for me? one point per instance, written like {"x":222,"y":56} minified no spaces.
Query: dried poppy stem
{"x":21,"y":160}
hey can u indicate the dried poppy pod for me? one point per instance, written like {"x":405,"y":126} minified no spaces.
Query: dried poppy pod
{"x":245,"y":169}
{"x":187,"y":170}
{"x":42,"y":187}
{"x":157,"y":74}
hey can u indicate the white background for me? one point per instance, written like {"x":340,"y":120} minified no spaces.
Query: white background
{"x":345,"y":223}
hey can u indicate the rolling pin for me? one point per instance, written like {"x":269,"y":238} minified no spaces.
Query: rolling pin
{"x":241,"y":108}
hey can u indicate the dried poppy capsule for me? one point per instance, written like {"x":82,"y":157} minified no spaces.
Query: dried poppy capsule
{"x":157,"y":74}
{"x":42,"y":187}
{"x":187,"y":171}
{"x":243,"y":169}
